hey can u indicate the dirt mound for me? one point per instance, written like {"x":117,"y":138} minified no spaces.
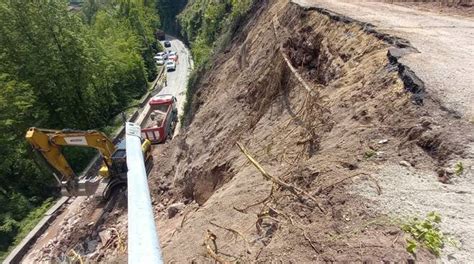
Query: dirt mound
{"x":320,"y":104}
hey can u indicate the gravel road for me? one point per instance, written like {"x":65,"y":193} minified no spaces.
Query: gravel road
{"x":445,"y":44}
{"x":178,"y":79}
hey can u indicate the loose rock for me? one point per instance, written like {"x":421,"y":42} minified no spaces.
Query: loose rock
{"x":405,"y":163}
{"x":174,"y":209}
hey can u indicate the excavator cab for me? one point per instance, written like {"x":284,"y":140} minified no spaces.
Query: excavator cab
{"x":119,"y":167}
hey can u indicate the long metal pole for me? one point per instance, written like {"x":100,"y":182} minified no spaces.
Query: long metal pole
{"x":143,"y":243}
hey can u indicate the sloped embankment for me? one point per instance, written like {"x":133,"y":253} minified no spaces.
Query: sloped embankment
{"x":321,"y":104}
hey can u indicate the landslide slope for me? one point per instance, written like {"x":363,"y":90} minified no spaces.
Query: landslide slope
{"x":325,"y":108}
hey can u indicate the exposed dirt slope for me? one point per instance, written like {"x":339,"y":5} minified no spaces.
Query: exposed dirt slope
{"x":444,"y":44}
{"x":343,"y":111}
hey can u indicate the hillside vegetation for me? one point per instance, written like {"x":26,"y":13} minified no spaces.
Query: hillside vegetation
{"x":63,"y":69}
{"x":208,"y":26}
{"x":204,"y":22}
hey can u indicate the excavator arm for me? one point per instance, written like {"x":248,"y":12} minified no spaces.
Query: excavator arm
{"x":48,"y":143}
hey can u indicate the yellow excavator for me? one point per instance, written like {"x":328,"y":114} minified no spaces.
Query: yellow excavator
{"x":48,"y":144}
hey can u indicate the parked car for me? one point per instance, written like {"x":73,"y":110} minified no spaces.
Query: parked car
{"x":167,"y":44}
{"x":173,"y":55}
{"x":159,"y":60}
{"x":163,"y":54}
{"x":170,"y":65}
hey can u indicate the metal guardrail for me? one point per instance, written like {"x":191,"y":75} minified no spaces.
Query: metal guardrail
{"x":143,"y":243}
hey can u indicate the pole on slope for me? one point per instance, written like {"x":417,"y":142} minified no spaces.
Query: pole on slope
{"x":143,"y":243}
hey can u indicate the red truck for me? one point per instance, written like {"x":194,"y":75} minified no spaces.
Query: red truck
{"x":161,"y":120}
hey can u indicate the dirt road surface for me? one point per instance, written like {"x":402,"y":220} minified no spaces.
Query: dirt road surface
{"x":177,"y":82}
{"x":445,"y":44}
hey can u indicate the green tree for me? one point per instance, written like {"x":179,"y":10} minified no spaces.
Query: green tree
{"x":204,"y":22}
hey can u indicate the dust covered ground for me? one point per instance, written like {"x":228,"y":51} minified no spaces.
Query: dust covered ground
{"x":331,"y":116}
{"x":456,"y":7}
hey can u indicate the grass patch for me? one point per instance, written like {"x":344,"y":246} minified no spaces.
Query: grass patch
{"x":426,"y":232}
{"x":27,"y":224}
{"x":459,"y":168}
{"x":369,"y":154}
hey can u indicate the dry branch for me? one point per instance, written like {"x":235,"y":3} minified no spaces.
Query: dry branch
{"x":120,"y":243}
{"x":264,"y":201}
{"x":311,"y":242}
{"x":211,"y":238}
{"x":235,"y":232}
{"x":286,"y":186}
{"x":76,"y":256}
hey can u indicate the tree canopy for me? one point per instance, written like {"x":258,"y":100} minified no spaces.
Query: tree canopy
{"x":204,"y":22}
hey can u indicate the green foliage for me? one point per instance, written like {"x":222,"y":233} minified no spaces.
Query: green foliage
{"x":208,"y":26}
{"x":21,"y":228}
{"x":369,"y":154}
{"x":459,"y":168}
{"x":194,"y":78}
{"x":425,"y":232}
{"x":203,"y":22}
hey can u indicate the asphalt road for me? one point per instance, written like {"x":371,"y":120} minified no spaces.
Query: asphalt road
{"x":445,"y":61}
{"x":176,"y":80}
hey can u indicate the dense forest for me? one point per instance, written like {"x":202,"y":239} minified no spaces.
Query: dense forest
{"x":62,"y":67}
{"x":168,"y":10}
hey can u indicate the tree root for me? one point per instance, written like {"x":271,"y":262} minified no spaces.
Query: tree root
{"x":76,"y":256}
{"x":379,"y":189}
{"x":236,"y":233}
{"x":298,"y":226}
{"x":264,"y":201}
{"x":286,"y":186}
{"x":209,"y":240}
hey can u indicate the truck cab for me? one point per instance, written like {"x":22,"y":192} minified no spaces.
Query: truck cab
{"x":161,"y":120}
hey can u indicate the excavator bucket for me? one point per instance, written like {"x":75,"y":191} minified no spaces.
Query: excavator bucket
{"x":81,"y":188}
